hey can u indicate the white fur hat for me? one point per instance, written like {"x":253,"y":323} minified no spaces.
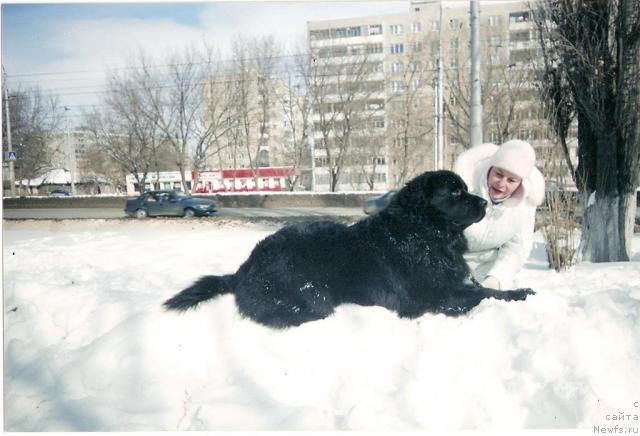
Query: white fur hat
{"x":515,"y":156}
{"x":474,"y":164}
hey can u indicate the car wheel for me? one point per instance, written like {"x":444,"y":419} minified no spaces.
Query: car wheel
{"x":141,"y":213}
{"x":189,"y":213}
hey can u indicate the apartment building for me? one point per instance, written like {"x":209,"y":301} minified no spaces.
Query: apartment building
{"x":259,"y":122}
{"x":401,"y":52}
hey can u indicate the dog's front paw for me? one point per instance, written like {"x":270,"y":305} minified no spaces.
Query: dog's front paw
{"x":518,"y":294}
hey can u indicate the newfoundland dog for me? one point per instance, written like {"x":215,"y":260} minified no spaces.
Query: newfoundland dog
{"x":407,"y":258}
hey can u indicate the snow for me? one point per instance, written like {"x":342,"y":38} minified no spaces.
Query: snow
{"x":58,"y":176}
{"x":87,"y":346}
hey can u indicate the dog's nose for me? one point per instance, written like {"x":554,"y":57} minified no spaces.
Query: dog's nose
{"x":482,"y":202}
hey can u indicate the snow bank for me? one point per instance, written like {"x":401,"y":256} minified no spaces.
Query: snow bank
{"x":87,"y":346}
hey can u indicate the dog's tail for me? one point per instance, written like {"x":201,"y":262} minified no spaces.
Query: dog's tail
{"x":205,"y":288}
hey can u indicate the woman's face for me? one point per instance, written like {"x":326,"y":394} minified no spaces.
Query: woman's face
{"x":502,"y":183}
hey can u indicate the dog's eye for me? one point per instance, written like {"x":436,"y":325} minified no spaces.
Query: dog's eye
{"x":456,"y":192}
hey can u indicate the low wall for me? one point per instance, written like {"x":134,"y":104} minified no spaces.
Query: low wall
{"x":270,"y":200}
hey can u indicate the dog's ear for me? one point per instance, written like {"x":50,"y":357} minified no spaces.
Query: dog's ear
{"x":413,"y":199}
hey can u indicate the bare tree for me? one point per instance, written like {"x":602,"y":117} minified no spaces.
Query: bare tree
{"x":175,"y":102}
{"x":507,"y":94}
{"x":256,"y":61}
{"x":294,"y":103}
{"x":340,"y":89}
{"x":591,"y":53}
{"x":217,"y":117}
{"x":409,"y":129}
{"x":123,"y":143}
{"x":97,"y":166}
{"x":35,"y":120}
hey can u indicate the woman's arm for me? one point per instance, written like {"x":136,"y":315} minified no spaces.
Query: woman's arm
{"x":513,"y":254}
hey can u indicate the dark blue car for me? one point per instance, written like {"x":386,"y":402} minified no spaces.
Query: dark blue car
{"x":375,"y":205}
{"x":169,"y":203}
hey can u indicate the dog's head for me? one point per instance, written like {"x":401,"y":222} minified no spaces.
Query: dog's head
{"x":441,"y":198}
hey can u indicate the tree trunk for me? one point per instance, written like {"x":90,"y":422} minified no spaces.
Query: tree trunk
{"x":187,"y":191}
{"x":607,"y":227}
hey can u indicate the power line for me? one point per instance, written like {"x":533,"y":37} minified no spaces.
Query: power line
{"x":156,"y":66}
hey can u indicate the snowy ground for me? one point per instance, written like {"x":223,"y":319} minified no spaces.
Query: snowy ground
{"x":87,"y":346}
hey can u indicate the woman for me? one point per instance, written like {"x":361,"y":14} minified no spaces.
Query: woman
{"x":507,"y":178}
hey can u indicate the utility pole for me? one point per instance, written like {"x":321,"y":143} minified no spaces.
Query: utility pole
{"x":438,"y":117}
{"x":12,"y":174}
{"x":440,"y":101}
{"x":475,"y":118}
{"x":71,"y":154}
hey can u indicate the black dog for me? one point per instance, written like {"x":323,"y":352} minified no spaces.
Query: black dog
{"x":407,"y":258}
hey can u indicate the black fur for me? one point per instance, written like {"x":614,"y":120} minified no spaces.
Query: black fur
{"x":407,"y":258}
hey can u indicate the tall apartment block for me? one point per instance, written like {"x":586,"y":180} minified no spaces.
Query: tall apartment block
{"x":379,"y":78}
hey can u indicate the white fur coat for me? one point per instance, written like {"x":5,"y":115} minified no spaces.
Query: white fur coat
{"x":500,"y":243}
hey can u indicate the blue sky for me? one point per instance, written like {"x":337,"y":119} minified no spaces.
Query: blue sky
{"x":67,"y":47}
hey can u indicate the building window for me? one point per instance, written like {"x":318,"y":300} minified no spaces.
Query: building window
{"x":380,"y":160}
{"x":495,"y":59}
{"x":518,"y":17}
{"x":354,"y":31}
{"x":339,"y":33}
{"x":375,"y":29}
{"x":454,"y":44}
{"x":378,"y":123}
{"x":397,"y":67}
{"x":523,"y":133}
{"x":417,"y":46}
{"x":435,"y":47}
{"x":494,"y":20}
{"x":398,"y":105}
{"x":396,"y":29}
{"x":377,"y":67}
{"x":322,"y":161}
{"x":435,"y":25}
{"x":397,"y":86}
{"x":453,"y":62}
{"x":520,"y":36}
{"x":320,"y":34}
{"x":454,"y":24}
{"x":374,"y":105}
{"x":355,"y":50}
{"x":374,"y":48}
{"x":397,"y":48}
{"x":495,"y":41}
{"x":416,"y":27}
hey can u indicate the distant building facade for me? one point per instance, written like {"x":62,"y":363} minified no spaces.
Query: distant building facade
{"x":264,"y":179}
{"x":401,"y":52}
{"x":259,"y":124}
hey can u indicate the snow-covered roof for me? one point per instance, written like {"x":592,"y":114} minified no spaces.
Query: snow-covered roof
{"x":59,"y":176}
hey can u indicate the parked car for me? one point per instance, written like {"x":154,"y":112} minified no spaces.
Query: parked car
{"x":169,"y":203}
{"x":375,"y":205}
{"x":59,"y":193}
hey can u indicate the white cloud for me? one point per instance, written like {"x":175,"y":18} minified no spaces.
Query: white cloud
{"x":83,"y":49}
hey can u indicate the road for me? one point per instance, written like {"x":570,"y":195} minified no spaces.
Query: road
{"x":231,"y":213}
